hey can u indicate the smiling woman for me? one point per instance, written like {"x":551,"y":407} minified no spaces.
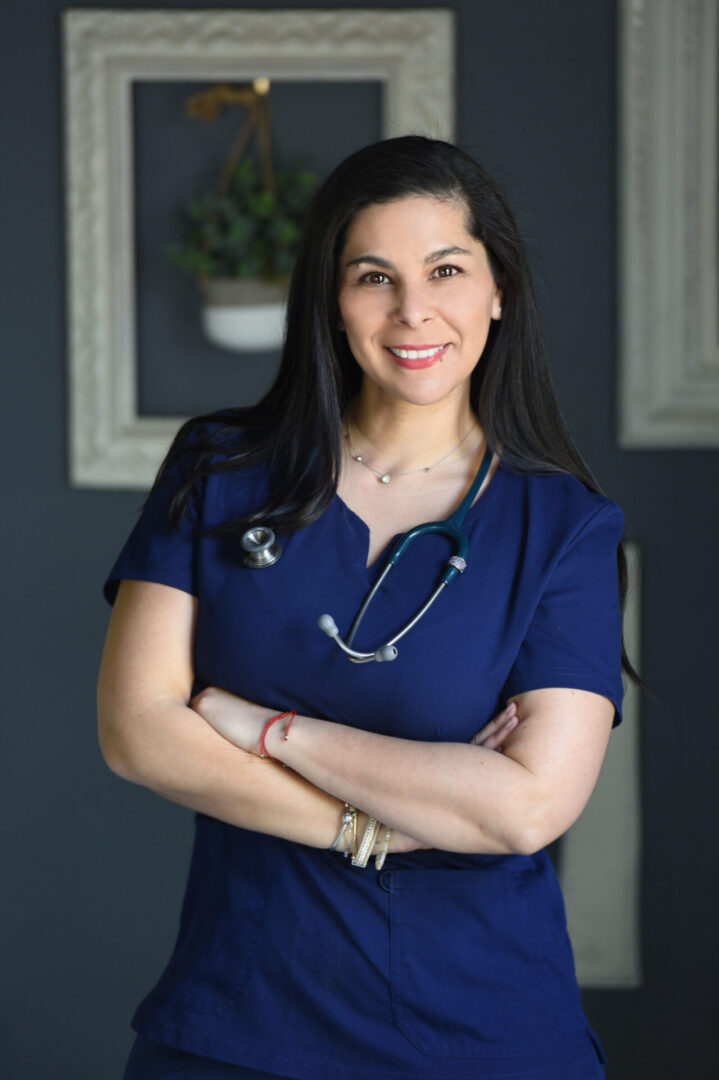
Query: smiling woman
{"x":412,"y":357}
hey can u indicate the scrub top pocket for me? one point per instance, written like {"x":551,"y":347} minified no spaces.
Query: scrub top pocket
{"x":466,"y":977}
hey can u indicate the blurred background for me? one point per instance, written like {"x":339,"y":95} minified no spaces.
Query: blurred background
{"x":94,"y":868}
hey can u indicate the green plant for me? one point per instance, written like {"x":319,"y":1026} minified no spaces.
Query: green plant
{"x":247,"y":232}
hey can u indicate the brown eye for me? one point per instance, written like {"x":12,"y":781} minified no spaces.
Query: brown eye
{"x":450,"y":267}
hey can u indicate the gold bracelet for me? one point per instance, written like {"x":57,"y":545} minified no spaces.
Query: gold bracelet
{"x":370,"y":835}
{"x":379,"y":859}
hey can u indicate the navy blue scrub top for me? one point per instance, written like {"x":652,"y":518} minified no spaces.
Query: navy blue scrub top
{"x":441,"y":965}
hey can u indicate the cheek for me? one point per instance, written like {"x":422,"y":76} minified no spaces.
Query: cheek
{"x":359,"y":307}
{"x":477,"y":316}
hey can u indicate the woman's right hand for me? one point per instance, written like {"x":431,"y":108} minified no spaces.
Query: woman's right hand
{"x":492,"y":737}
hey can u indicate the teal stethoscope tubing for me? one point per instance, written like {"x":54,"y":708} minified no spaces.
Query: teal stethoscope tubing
{"x":456,"y":564}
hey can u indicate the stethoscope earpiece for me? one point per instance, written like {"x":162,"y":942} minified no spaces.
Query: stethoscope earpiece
{"x":261,"y":547}
{"x":387,"y":652}
{"x":327,"y":623}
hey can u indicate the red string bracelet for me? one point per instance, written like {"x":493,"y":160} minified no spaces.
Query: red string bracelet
{"x":280,"y":716}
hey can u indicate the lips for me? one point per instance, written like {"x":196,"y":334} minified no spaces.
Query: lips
{"x":414,"y":363}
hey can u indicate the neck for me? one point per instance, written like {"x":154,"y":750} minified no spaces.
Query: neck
{"x":403,"y":436}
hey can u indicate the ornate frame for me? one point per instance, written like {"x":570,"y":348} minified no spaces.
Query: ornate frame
{"x":110,"y":445}
{"x":669,"y":247}
{"x":600,"y":868}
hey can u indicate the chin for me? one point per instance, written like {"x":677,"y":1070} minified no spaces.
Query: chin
{"x":426,"y":391}
{"x":423,"y":398}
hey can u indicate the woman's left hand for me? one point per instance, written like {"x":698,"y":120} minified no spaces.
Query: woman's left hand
{"x":492,"y":736}
{"x":239,"y":721}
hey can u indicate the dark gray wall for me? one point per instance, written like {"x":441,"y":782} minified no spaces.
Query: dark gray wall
{"x":94,"y":868}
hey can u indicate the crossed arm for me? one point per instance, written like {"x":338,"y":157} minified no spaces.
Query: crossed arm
{"x":203,"y":752}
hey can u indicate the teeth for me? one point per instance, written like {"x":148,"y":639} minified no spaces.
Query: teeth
{"x":415,"y":354}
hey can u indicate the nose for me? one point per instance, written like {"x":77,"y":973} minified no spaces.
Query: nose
{"x":414,"y":304}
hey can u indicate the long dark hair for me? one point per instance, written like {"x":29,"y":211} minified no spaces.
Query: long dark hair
{"x":296,"y":429}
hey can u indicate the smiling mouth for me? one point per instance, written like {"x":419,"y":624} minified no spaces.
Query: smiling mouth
{"x":417,"y":358}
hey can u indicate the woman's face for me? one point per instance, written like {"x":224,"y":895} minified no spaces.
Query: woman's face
{"x":401,"y":287}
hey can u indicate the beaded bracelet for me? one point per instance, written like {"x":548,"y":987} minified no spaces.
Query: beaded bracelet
{"x":280,"y":716}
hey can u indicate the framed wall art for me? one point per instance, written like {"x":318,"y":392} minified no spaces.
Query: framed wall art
{"x":111,"y":55}
{"x":600,"y":856}
{"x":669,"y":235}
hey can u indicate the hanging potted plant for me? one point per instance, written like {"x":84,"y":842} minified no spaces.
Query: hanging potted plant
{"x":240,"y":241}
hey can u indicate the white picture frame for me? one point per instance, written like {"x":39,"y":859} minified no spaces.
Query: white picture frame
{"x":105,"y":53}
{"x":669,"y":238}
{"x":600,"y":860}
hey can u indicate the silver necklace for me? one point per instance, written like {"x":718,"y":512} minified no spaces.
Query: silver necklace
{"x":385,"y":477}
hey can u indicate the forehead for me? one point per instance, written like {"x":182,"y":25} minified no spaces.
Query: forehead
{"x":417,"y":216}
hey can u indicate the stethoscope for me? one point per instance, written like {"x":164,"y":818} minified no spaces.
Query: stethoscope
{"x":261,"y":549}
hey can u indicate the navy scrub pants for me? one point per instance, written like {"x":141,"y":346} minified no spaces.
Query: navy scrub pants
{"x":151,"y":1061}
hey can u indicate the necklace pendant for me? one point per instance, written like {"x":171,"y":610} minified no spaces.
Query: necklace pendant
{"x":385,"y":479}
{"x":358,"y":457}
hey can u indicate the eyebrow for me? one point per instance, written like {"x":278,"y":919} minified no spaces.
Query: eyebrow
{"x":378,"y":261}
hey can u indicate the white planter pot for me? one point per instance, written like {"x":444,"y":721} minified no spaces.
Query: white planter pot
{"x":243,"y":314}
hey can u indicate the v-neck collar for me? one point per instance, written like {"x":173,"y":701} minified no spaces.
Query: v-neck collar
{"x":361,"y":527}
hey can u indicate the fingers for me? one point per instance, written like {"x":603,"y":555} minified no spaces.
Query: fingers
{"x":493,"y":734}
{"x":497,"y":741}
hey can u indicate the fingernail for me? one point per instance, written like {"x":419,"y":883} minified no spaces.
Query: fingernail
{"x":510,"y":724}
{"x":511,"y":707}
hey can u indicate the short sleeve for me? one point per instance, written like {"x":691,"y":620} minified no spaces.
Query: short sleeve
{"x":155,"y":550}
{"x":574,"y":638}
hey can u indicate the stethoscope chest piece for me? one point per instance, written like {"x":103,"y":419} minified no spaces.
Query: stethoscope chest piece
{"x":260,"y":546}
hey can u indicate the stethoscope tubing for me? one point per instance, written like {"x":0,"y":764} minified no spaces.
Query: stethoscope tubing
{"x":360,"y":658}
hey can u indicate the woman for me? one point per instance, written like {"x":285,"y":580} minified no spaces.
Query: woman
{"x":370,"y":894}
